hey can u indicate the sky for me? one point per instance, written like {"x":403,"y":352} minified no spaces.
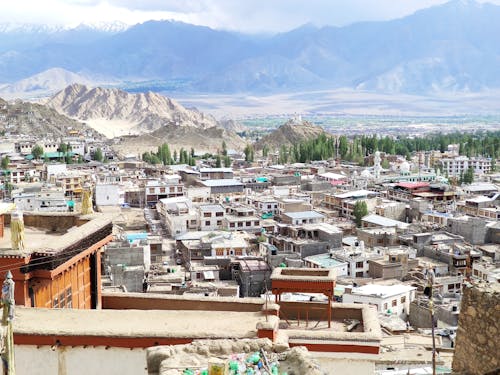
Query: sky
{"x":249,"y":16}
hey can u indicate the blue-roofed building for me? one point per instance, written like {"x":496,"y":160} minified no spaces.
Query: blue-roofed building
{"x":326,"y":260}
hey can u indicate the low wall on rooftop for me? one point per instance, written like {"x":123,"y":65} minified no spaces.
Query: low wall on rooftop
{"x":150,"y":301}
{"x":317,"y":311}
{"x":52,"y":222}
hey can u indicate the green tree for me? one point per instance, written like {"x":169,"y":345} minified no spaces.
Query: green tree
{"x":343,"y":146}
{"x":98,"y":156}
{"x":248,"y":153}
{"x":265,"y":151}
{"x":468,"y":176}
{"x":218,"y":162}
{"x":37,"y":151}
{"x":224,"y":148}
{"x":360,"y":210}
{"x":385,"y":164}
{"x":227,"y":161}
{"x":5,"y":162}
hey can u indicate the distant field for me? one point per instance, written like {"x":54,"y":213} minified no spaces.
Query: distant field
{"x":357,"y":112}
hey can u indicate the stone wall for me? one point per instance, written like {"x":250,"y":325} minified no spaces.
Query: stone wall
{"x":476,"y":350}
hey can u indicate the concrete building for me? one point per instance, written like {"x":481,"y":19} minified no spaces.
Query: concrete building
{"x":357,"y":259}
{"x":223,"y":186}
{"x":457,"y":166}
{"x":178,"y":215}
{"x":326,"y":260}
{"x":169,"y":186}
{"x":216,"y":173}
{"x":241,"y":217}
{"x":392,"y":299}
{"x":47,"y":199}
{"x":211,"y":217}
{"x":108,"y":195}
{"x":303,"y":217}
{"x":306,"y":239}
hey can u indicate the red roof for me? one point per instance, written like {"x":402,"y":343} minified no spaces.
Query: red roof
{"x":413,"y":185}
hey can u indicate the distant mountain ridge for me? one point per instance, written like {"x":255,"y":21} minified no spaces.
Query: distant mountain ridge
{"x":451,"y":47}
{"x":136,"y":113}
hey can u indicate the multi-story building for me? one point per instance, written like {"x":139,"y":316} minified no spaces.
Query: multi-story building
{"x":302,"y":217}
{"x":357,"y":259}
{"x":211,"y":216}
{"x":306,"y":239}
{"x":46,"y":199}
{"x":392,"y":299}
{"x":456,"y":167}
{"x":168,"y":187}
{"x":241,"y":217}
{"x":215,"y":173}
{"x":178,"y":215}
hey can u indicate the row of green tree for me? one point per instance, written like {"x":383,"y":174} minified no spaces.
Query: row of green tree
{"x":165,"y":157}
{"x":354,"y":149}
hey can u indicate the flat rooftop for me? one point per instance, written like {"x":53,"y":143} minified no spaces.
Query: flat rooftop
{"x":34,"y":240}
{"x":137,"y":323}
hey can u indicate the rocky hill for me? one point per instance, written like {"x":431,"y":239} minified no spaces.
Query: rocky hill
{"x":177,"y":137}
{"x":232,"y":125}
{"x":290,"y":133}
{"x":128,"y":113}
{"x":38,"y":120}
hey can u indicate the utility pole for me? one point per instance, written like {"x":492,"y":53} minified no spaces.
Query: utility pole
{"x":430,"y":285}
{"x":8,"y":304}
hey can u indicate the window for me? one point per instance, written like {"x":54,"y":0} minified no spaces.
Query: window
{"x":198,"y":275}
{"x":172,"y":189}
{"x":207,"y":214}
{"x":403,"y":299}
{"x":231,"y":225}
{"x":359,"y":264}
{"x":359,"y":274}
{"x":207,"y":223}
{"x":162,"y":190}
{"x":451,"y":287}
{"x":219,"y":214}
{"x":248,"y":223}
{"x":219,"y":222}
{"x":151,"y":190}
{"x":394,"y":302}
{"x":385,"y":306}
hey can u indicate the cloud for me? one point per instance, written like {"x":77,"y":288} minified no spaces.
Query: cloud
{"x":241,"y":15}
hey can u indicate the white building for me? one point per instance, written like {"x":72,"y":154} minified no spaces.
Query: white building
{"x":46,"y":200}
{"x":108,"y":195}
{"x":357,"y":259}
{"x":393,"y":299}
{"x":178,"y":215}
{"x":459,"y":165}
{"x":211,"y":217}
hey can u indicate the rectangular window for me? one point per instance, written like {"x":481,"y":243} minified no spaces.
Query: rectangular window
{"x":219,"y":214}
{"x":359,"y":264}
{"x":403,"y":299}
{"x":219,"y":222}
{"x":207,"y":214}
{"x":394,"y":302}
{"x":162,"y":190}
{"x":385,"y":306}
{"x":207,"y":223}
